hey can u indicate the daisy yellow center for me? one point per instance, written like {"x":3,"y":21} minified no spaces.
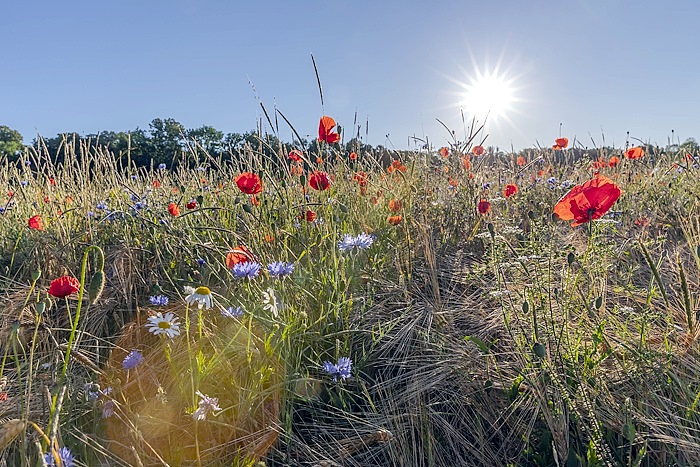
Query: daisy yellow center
{"x":164,"y":325}
{"x":203,"y":291}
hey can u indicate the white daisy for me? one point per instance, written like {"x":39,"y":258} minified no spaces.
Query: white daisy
{"x":202,"y":297}
{"x":167,"y":324}
{"x":272,"y":302}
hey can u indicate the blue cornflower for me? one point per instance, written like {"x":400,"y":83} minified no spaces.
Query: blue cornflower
{"x":201,"y":169}
{"x":134,"y":359}
{"x":232,"y":312}
{"x":201,"y":261}
{"x":92,"y":391}
{"x":134,"y":177}
{"x":566,"y":184}
{"x":2,"y":210}
{"x":280,"y":269}
{"x":27,"y":163}
{"x":362,"y":242}
{"x":24,"y":183}
{"x":101,"y":206}
{"x":342,"y":370}
{"x":487,"y":186}
{"x":161,"y":166}
{"x":159,"y":300}
{"x":344,"y":367}
{"x":67,"y":458}
{"x":108,"y":408}
{"x":164,"y":222}
{"x":249,"y":269}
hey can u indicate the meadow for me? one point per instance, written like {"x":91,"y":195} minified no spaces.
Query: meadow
{"x":335,"y":308}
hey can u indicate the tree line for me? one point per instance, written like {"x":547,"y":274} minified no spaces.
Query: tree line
{"x":164,"y":142}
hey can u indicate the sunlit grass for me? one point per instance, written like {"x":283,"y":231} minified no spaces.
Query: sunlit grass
{"x":475,"y":339}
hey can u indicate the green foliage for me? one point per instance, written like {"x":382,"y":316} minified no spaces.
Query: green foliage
{"x":11,"y":143}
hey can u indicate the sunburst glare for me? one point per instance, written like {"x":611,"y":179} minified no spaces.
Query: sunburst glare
{"x":488,"y":94}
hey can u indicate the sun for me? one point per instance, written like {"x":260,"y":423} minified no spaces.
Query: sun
{"x":488,"y":95}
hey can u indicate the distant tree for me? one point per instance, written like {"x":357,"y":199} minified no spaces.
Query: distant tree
{"x":209,"y":138}
{"x":166,"y":140}
{"x":10,"y":142}
{"x":690,"y":146}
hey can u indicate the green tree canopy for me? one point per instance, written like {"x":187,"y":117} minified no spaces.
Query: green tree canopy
{"x":10,"y":142}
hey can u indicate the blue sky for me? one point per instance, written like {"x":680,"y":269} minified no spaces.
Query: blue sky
{"x":596,"y":66}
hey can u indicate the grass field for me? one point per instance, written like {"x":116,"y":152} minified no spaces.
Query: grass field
{"x":396,"y":309}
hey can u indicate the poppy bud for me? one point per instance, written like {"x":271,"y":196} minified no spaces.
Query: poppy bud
{"x":96,"y":287}
{"x":539,"y":350}
{"x":598,"y":303}
{"x":247,"y":208}
{"x":200,"y":199}
{"x":526,"y":307}
{"x":570,"y":258}
{"x":40,"y":307}
{"x":36,"y":275}
{"x":302,"y":180}
{"x":531,"y":215}
{"x":492,"y":230}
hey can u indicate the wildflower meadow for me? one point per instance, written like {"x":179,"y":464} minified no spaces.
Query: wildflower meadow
{"x":448,"y":306}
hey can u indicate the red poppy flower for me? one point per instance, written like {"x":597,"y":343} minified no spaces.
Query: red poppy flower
{"x":614,"y":160}
{"x":600,"y":163}
{"x":240,"y":254}
{"x":510,"y":190}
{"x":249,"y":183}
{"x":641,"y":221}
{"x":295,"y":155}
{"x":360,"y":178}
{"x":156,"y":184}
{"x":444,"y":152}
{"x":310,"y":216}
{"x":395,"y":205}
{"x":466,"y":163}
{"x":174,"y":209}
{"x":324,"y":130}
{"x":353,"y":156}
{"x":521,"y":161}
{"x":319,"y":181}
{"x":63,"y":286}
{"x":478,"y":150}
{"x":35,"y":223}
{"x":588,"y":201}
{"x":52,"y":181}
{"x":396,"y":166}
{"x":560,"y":143}
{"x":192,"y":204}
{"x":394,"y":220}
{"x":297,"y":170}
{"x":635,"y":153}
{"x":484,"y":206}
